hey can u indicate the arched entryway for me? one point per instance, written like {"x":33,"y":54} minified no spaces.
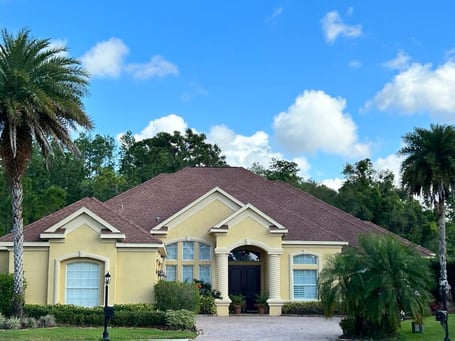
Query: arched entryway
{"x":246,"y":274}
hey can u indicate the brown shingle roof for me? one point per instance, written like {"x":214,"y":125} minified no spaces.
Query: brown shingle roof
{"x":306,"y":217}
{"x":133,"y":232}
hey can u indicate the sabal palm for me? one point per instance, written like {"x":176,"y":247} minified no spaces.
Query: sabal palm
{"x":40,"y":102}
{"x":429,"y":171}
{"x":374,"y":282}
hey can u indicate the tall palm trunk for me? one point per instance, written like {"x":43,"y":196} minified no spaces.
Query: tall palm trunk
{"x":18,"y":243}
{"x":443,"y":280}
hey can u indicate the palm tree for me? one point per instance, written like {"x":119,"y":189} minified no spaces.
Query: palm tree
{"x":429,"y":171}
{"x":40,"y":102}
{"x":373,"y":283}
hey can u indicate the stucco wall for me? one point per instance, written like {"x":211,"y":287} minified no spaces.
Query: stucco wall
{"x":4,"y":261}
{"x":135,"y":276}
{"x":36,"y":274}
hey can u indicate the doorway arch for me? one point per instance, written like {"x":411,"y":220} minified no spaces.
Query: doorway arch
{"x":245,"y":273}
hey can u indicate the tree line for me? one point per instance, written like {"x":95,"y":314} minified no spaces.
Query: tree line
{"x":105,"y":168}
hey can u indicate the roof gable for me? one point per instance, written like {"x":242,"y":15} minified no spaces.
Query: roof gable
{"x":113,"y":224}
{"x":214,"y":194}
{"x":64,"y":227}
{"x":249,"y":210}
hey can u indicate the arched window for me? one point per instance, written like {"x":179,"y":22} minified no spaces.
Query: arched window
{"x":83,"y":284}
{"x":305,"y":276}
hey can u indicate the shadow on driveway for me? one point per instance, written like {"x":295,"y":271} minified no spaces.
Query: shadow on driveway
{"x":264,"y":327}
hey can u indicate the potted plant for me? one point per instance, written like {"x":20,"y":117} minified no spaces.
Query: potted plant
{"x":237,"y":302}
{"x":261,"y":302}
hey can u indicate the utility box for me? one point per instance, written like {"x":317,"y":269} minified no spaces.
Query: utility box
{"x":416,"y":327}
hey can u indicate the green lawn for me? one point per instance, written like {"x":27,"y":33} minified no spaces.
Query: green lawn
{"x":74,"y":333}
{"x":432,"y":330}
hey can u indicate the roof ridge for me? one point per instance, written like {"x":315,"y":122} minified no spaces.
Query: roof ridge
{"x":138,"y":188}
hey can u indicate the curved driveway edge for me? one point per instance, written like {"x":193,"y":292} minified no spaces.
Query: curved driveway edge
{"x":264,"y":327}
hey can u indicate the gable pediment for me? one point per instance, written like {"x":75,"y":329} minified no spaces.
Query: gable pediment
{"x":82,"y":217}
{"x":226,"y":204}
{"x":248,"y":211}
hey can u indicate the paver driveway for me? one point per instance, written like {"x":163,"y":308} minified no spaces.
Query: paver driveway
{"x":264,"y":327}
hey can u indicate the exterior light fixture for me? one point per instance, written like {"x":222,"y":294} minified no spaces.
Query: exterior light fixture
{"x":108,"y":311}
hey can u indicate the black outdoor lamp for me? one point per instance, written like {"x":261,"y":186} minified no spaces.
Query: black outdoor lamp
{"x":108,"y":311}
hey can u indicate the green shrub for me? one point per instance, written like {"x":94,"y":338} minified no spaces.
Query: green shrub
{"x":47,"y":321}
{"x":2,"y":321}
{"x":303,"y":308}
{"x":13,"y":323}
{"x":207,"y":305}
{"x":177,"y":296}
{"x":138,"y":318}
{"x":180,"y":319}
{"x":6,"y":294}
{"x":29,"y":322}
{"x":128,"y":315}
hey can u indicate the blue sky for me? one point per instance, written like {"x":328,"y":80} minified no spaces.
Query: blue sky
{"x":321,"y":83}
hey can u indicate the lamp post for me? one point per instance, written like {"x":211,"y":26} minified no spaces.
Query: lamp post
{"x":107,"y":311}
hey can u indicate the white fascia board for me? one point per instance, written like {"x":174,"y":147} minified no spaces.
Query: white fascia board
{"x":5,"y":245}
{"x":142,"y":245}
{"x":52,"y":236}
{"x":312,"y":242}
{"x":112,"y":236}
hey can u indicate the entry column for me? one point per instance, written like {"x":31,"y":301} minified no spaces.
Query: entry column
{"x":222,"y":266}
{"x":274,"y":268}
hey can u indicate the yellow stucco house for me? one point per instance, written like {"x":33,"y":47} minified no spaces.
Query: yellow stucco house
{"x":226,"y":226}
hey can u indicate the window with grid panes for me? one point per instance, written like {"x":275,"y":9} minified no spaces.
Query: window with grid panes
{"x":83,"y":284}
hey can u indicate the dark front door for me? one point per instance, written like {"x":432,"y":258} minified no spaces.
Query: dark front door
{"x":245,"y":280}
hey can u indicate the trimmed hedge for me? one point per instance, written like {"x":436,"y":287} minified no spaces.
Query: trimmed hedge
{"x":6,"y":294}
{"x":303,"y":308}
{"x":134,"y":315}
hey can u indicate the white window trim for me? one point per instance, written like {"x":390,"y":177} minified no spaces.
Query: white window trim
{"x":80,"y":254}
{"x":293,"y":267}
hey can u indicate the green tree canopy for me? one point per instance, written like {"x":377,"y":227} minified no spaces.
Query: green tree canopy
{"x":41,"y":90}
{"x":373,"y":283}
{"x":163,"y":153}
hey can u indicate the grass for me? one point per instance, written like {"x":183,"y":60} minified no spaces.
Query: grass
{"x":75,"y":333}
{"x":432,"y":330}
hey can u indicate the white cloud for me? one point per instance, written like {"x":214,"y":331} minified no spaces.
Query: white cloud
{"x":392,"y":163}
{"x":106,"y":58}
{"x":400,"y":62}
{"x":192,"y":90}
{"x":242,"y":150}
{"x":334,"y":184}
{"x":355,"y":64}
{"x":168,"y":124}
{"x":418,"y":89}
{"x":156,"y":67}
{"x":304,"y":167}
{"x":333,"y":27}
{"x":276,"y":13}
{"x":316,"y":122}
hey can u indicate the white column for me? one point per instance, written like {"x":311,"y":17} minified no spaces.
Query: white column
{"x":274,"y":277}
{"x":222,"y":274}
